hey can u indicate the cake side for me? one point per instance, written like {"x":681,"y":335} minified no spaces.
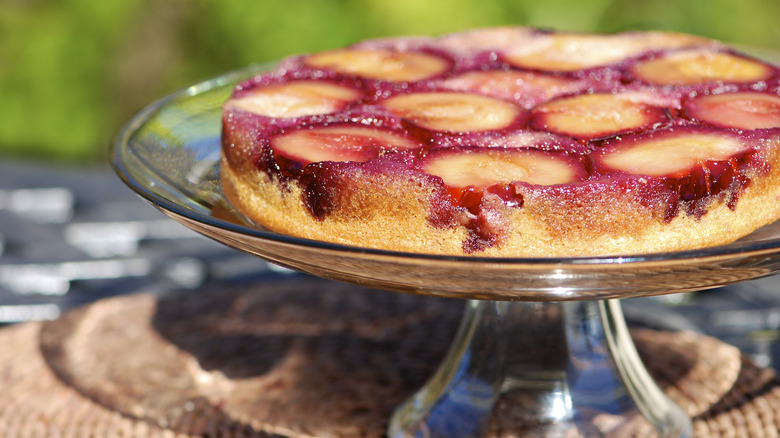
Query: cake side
{"x":588,"y":220}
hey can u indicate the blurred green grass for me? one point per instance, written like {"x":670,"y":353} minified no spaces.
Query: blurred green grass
{"x":72,"y":71}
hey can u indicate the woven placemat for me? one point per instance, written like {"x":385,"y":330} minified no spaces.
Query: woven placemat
{"x":298,"y":358}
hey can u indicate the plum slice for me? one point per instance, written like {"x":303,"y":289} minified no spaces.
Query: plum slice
{"x":599,"y":115}
{"x":694,"y":164}
{"x":345,"y":142}
{"x":527,"y":88}
{"x":472,"y":42}
{"x":741,"y":110}
{"x":386,"y":65}
{"x":671,"y":154}
{"x":690,"y":67}
{"x":568,"y":52}
{"x":298,"y":98}
{"x":484,"y":167}
{"x":454,"y":111}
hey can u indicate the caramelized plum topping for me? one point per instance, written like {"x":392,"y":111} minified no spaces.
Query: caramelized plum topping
{"x":741,"y":110}
{"x":568,"y":52}
{"x":689,"y":67}
{"x":497,"y":39}
{"x":671,"y":153}
{"x":386,"y":65}
{"x":346,"y":142}
{"x":600,"y":115}
{"x":527,"y":88}
{"x":295,"y":98}
{"x":454,"y":111}
{"x":460,"y":168}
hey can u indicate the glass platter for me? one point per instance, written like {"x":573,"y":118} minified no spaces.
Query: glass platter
{"x":545,"y":335}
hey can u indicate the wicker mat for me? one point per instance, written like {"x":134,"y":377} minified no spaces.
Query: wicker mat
{"x":302,"y":358}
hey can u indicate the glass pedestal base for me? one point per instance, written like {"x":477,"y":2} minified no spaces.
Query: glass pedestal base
{"x":556,"y":369}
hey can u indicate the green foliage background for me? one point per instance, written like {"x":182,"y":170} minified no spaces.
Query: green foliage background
{"x":72,"y":71}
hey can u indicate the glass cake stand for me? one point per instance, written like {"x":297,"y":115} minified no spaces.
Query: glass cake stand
{"x":542,"y":340}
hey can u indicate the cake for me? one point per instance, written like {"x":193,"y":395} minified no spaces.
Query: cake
{"x":510,"y":142}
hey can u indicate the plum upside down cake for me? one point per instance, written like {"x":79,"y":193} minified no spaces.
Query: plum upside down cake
{"x":510,"y":142}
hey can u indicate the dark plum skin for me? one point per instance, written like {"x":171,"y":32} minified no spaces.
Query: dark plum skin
{"x":475,"y":208}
